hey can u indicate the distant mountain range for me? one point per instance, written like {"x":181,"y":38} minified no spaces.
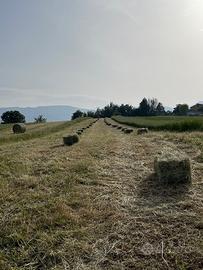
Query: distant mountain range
{"x":52,"y":113}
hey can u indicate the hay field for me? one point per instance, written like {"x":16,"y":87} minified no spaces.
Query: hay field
{"x":97,"y":204}
{"x":32,"y":131}
{"x":170,"y":123}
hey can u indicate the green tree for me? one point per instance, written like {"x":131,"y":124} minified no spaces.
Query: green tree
{"x":125,"y":109}
{"x":40,"y":119}
{"x":160,"y":110}
{"x":12,"y":117}
{"x":181,"y":109}
{"x":153,"y":103}
{"x":91,"y":114}
{"x":77,"y":114}
{"x":144,"y":108}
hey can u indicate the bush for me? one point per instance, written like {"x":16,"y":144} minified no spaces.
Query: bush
{"x":77,"y":114}
{"x":40,"y":119}
{"x":11,"y":117}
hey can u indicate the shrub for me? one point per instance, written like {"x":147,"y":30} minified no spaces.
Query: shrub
{"x":40,"y":119}
{"x":11,"y":117}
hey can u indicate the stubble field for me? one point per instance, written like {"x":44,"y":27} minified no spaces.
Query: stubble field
{"x":97,"y":204}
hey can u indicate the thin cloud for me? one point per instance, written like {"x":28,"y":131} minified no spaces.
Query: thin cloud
{"x":36,"y":97}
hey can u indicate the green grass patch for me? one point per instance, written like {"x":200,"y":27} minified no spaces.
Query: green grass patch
{"x":170,"y":123}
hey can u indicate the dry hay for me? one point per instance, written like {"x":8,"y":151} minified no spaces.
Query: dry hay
{"x":107,"y":123}
{"x":70,"y":139}
{"x":75,"y":138}
{"x":142,"y":131}
{"x":128,"y":130}
{"x":123,"y":129}
{"x":173,"y":167}
{"x":19,"y":128}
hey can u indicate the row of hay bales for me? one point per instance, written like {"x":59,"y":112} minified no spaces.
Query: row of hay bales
{"x":170,"y":167}
{"x":126,"y":130}
{"x":74,"y":138}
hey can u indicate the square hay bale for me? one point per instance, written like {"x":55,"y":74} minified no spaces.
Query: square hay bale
{"x":173,"y":168}
{"x":70,"y":139}
{"x":128,"y":130}
{"x":75,"y":138}
{"x":142,"y":131}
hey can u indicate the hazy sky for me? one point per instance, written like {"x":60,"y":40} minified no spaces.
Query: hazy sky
{"x":89,"y":52}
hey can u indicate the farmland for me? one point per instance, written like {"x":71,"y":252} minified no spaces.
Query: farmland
{"x":171,"y":123}
{"x":33,"y":131}
{"x":97,"y":204}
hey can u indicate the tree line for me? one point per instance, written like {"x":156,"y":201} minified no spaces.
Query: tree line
{"x":147,"y":107}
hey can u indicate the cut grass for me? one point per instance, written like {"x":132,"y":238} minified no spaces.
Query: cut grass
{"x":192,"y":139}
{"x":171,"y":123}
{"x":95,"y":205}
{"x":36,"y":131}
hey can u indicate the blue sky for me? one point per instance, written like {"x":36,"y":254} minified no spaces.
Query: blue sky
{"x":89,"y":52}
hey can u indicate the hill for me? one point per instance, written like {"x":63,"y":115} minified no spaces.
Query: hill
{"x":52,"y":113}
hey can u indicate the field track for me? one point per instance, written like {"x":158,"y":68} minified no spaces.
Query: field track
{"x":96,"y":204}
